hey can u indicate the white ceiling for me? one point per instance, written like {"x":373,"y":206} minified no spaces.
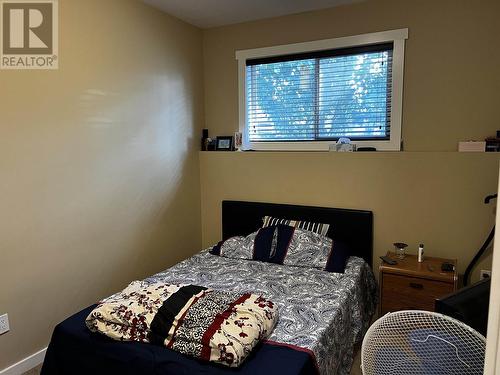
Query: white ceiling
{"x":211,"y":13}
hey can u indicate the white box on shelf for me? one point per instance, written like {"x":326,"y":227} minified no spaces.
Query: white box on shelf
{"x":472,"y":146}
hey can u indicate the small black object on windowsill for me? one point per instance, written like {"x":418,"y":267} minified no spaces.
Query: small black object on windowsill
{"x":211,"y":144}
{"x":204,"y":137}
{"x":207,"y":143}
{"x":493,"y":143}
{"x":361,"y":149}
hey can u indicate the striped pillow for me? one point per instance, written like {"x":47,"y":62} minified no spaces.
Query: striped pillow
{"x":306,"y":225}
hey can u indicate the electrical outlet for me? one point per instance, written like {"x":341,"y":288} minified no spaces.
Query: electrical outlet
{"x":485,"y":274}
{"x":4,"y":324}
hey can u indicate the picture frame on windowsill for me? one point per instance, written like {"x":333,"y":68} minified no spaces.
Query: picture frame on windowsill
{"x":224,"y":143}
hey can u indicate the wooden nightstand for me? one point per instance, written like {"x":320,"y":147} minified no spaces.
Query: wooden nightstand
{"x":410,"y":285}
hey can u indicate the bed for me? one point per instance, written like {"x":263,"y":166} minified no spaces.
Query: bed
{"x":322,"y":315}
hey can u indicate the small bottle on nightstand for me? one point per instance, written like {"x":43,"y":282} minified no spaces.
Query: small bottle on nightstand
{"x":421,"y":253}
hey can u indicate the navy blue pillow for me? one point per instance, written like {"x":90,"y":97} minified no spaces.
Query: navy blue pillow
{"x":216,"y":249}
{"x":338,"y":257}
{"x":271,"y":243}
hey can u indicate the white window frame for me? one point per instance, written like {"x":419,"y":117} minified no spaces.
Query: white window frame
{"x":397,"y":37}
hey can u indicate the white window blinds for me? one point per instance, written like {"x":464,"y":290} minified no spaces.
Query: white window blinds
{"x":320,"y":95}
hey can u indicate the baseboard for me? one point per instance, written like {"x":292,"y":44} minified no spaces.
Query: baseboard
{"x":26,"y":364}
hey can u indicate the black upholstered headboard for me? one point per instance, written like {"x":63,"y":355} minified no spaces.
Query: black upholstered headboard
{"x":354,"y":227}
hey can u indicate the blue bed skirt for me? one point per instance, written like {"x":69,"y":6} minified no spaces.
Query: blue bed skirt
{"x":74,"y":350}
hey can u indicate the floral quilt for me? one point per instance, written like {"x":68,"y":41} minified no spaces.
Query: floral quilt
{"x":217,"y":326}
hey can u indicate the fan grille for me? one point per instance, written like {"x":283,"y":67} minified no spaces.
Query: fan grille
{"x":421,"y":342}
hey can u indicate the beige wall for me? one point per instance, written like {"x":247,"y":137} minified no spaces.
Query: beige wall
{"x":430,"y":197}
{"x":450,"y":94}
{"x":451,"y":71}
{"x":99,"y":167}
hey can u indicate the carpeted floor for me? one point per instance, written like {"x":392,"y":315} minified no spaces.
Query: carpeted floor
{"x":35,"y":371}
{"x":356,"y":366}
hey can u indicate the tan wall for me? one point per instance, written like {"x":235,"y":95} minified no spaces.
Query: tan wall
{"x":451,"y":71}
{"x":99,"y":174}
{"x":450,"y":94}
{"x":430,"y":197}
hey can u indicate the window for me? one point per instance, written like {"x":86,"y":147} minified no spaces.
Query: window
{"x":309,"y":98}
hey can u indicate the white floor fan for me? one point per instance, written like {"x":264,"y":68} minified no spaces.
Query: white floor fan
{"x":414,"y":342}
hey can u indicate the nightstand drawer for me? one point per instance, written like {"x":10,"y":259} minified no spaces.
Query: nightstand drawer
{"x":403,"y":292}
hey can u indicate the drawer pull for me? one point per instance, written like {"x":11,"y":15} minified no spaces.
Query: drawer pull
{"x":416,"y":286}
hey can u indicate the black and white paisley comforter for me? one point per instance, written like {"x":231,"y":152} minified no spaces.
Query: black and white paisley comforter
{"x":321,"y":311}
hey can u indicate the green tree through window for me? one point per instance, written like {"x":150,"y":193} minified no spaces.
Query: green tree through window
{"x":320,"y":98}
